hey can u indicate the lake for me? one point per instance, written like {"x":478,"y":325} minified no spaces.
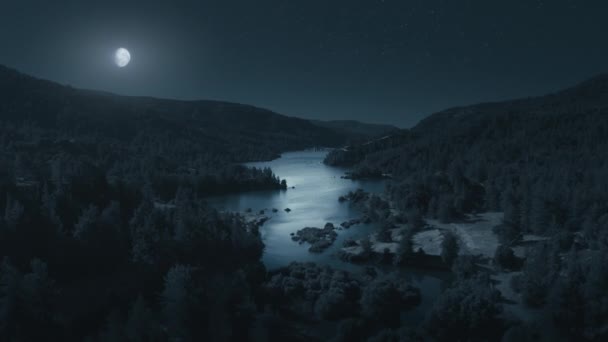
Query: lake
{"x":314,"y":202}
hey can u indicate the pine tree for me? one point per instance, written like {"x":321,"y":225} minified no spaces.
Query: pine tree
{"x":541,"y":216}
{"x":37,"y":296}
{"x":10,"y":289}
{"x":446,"y":210}
{"x":114,"y":330}
{"x":141,"y":326}
{"x":433,"y":207}
{"x":366,"y":245}
{"x":49,"y":208}
{"x":405,"y":249}
{"x":492,"y":197}
{"x":511,"y":205}
{"x":87,"y":223}
{"x":110,"y":216}
{"x":176,"y":298}
{"x":144,"y":239}
{"x":538,"y":273}
{"x":525,"y":206}
{"x":144,"y":233}
{"x":449,"y":247}
{"x":12,"y":212}
{"x":415,"y":220}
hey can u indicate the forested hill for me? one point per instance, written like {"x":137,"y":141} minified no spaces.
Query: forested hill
{"x":357,"y":130}
{"x":477,"y":122}
{"x":45,"y":126}
{"x":240,"y":131}
{"x":105,"y":234}
{"x":543,"y":162}
{"x":103,"y":213}
{"x":548,"y":150}
{"x":587,"y":96}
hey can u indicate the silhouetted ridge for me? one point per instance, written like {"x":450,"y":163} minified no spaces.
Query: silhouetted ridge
{"x":539,"y":164}
{"x":24,"y":98}
{"x":588,"y":95}
{"x":594,"y":89}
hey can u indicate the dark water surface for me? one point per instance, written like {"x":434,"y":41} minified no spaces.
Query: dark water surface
{"x":314,"y":202}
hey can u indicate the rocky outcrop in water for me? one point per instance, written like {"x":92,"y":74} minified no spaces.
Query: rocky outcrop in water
{"x":254,"y":221}
{"x":352,"y":222}
{"x":318,"y":238}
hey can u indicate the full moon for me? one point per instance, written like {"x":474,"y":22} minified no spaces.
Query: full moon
{"x":122,"y":57}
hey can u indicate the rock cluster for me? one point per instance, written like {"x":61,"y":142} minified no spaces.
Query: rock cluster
{"x":318,"y":238}
{"x":350,"y":223}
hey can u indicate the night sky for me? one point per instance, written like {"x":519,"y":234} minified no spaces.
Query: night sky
{"x":385,"y":61}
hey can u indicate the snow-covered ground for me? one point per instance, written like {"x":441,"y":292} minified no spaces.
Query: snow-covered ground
{"x":377,"y":246}
{"x":474,"y":233}
{"x":475,"y":237}
{"x":380,"y":247}
{"x":429,"y":241}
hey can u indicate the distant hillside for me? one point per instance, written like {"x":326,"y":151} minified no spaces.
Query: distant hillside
{"x":469,"y":122}
{"x":246,"y":132}
{"x":357,"y":129}
{"x":589,"y":95}
{"x":540,"y":161}
{"x":166,"y":144}
{"x":550,"y":149}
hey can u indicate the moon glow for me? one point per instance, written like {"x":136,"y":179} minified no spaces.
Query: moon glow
{"x":122,"y":57}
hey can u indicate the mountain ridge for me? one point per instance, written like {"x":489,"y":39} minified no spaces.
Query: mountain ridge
{"x":581,"y":105}
{"x":590,"y":93}
{"x":12,"y":82}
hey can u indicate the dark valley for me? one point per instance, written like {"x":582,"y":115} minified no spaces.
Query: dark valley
{"x":107,"y":232}
{"x":343,"y":171}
